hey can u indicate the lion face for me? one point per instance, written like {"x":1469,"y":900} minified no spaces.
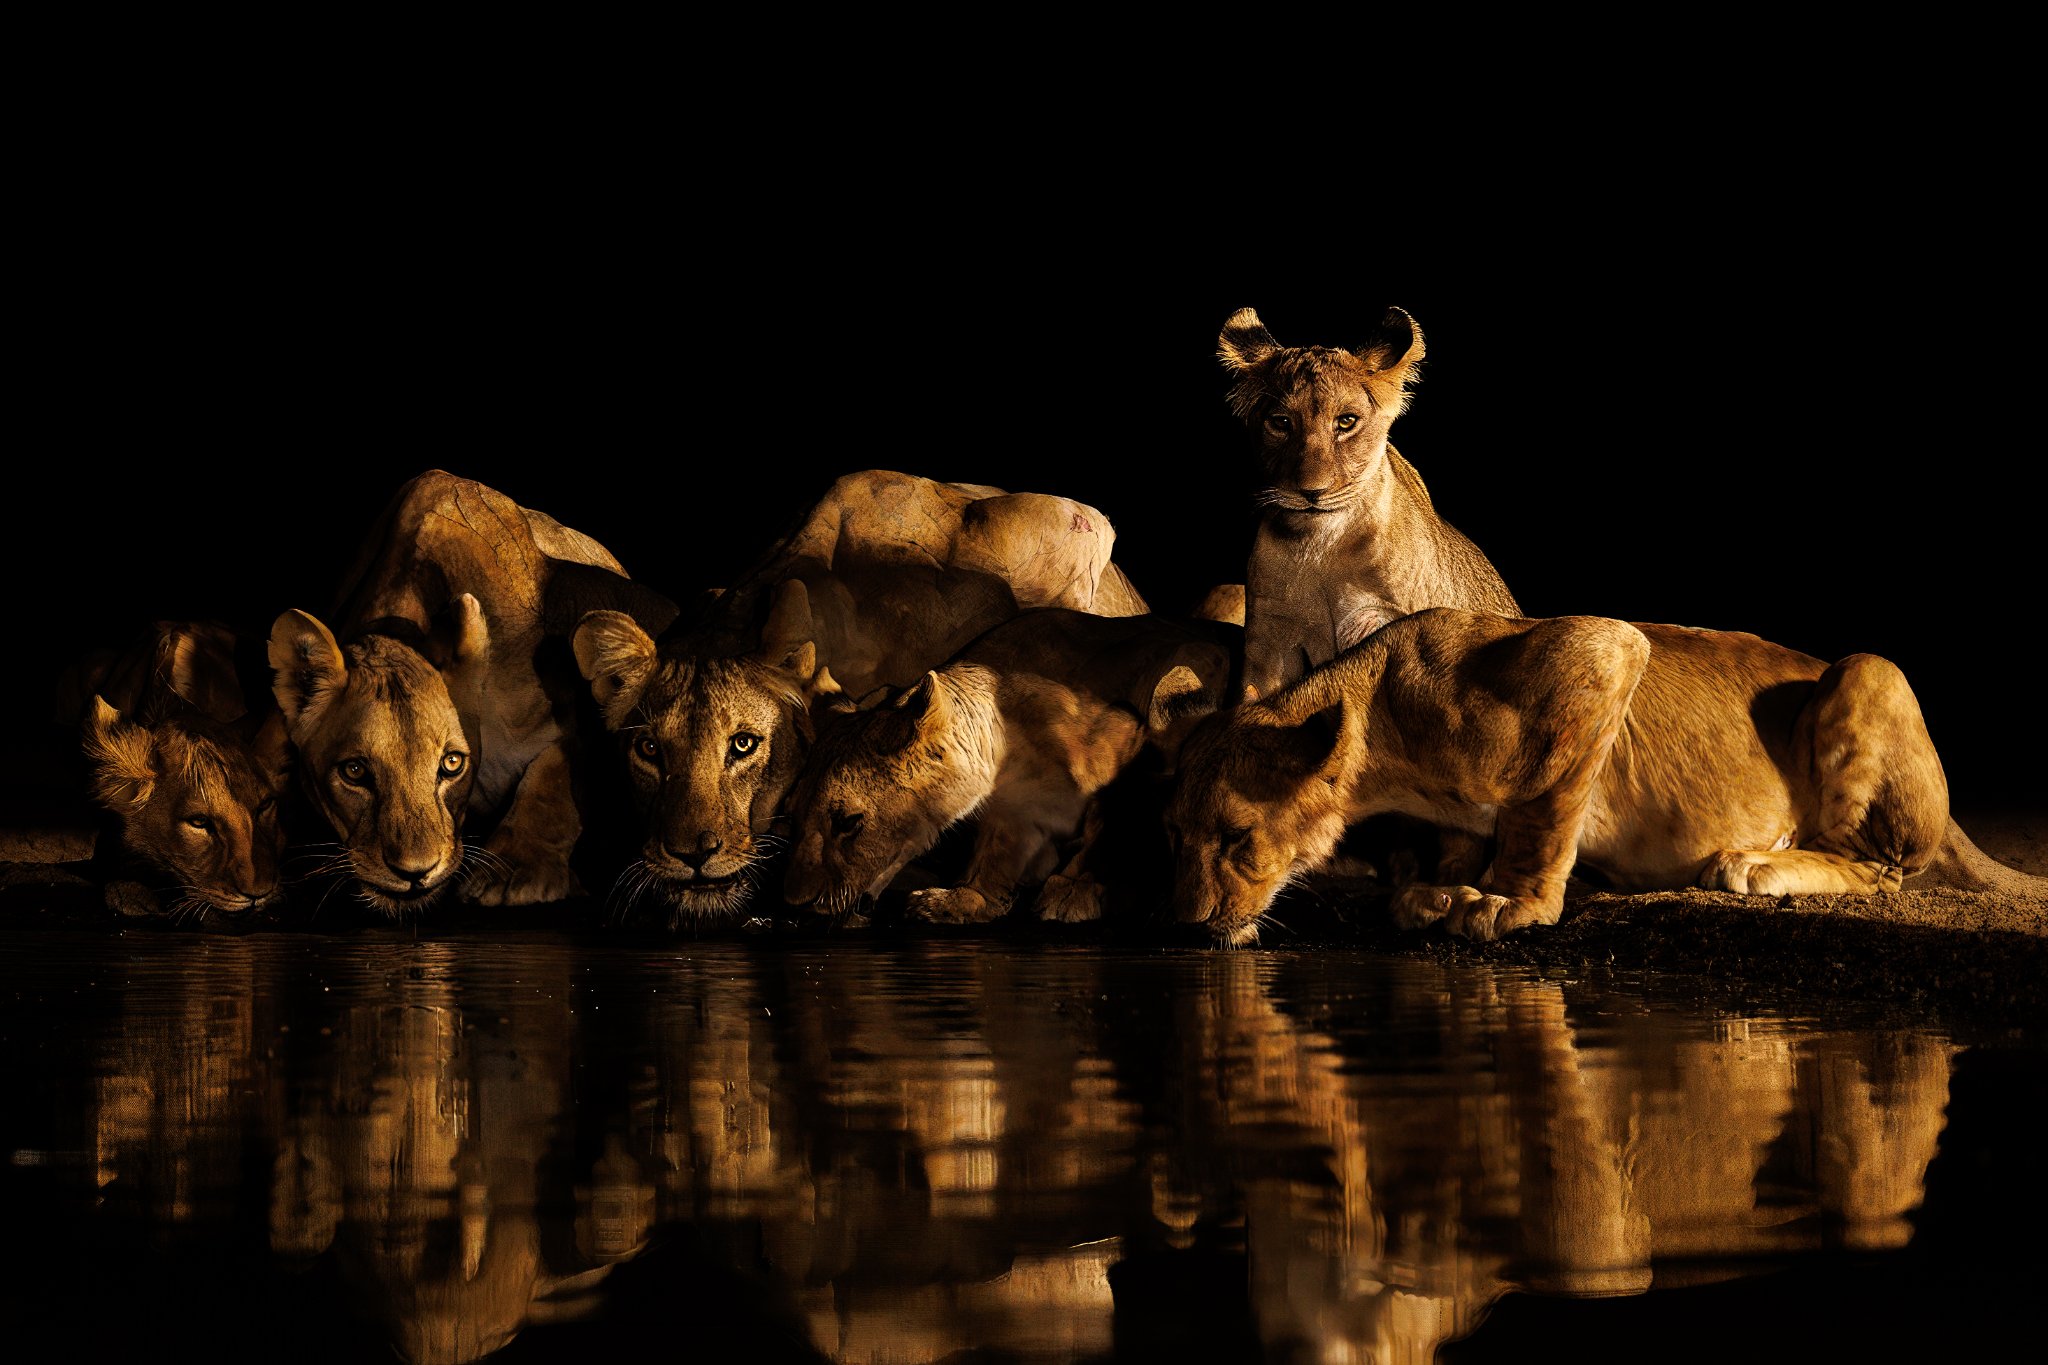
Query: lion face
{"x":1254,"y":807}
{"x":382,"y":751}
{"x":1321,"y":414}
{"x":712,"y":747}
{"x":880,"y":789}
{"x":197,"y":801}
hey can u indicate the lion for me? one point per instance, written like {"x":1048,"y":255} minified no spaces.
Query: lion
{"x":1022,"y":730}
{"x":1348,"y":539}
{"x":189,"y":776}
{"x":885,"y":578}
{"x":1655,"y":756}
{"x":446,"y":699}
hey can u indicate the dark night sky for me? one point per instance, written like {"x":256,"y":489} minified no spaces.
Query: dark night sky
{"x":1765,"y":443}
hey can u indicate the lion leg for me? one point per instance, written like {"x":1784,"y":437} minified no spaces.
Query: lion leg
{"x":1537,"y":837}
{"x":528,"y":861}
{"x":1013,"y":845}
{"x":1879,"y":799}
{"x":1072,"y":895}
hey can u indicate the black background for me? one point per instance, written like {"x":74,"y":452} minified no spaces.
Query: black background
{"x":1770,"y":434}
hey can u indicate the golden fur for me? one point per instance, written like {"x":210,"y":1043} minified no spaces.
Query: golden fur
{"x":1022,"y":731}
{"x":441,"y":711}
{"x":1656,"y":756}
{"x":1348,"y":539}
{"x":885,"y":578}
{"x":191,"y":779}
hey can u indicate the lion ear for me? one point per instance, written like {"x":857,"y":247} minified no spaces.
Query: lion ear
{"x":616,"y":656}
{"x":122,"y":758}
{"x":1244,"y":343}
{"x":908,"y":713}
{"x":472,"y":632}
{"x":787,"y":637}
{"x":1394,"y":350}
{"x":1316,"y":745}
{"x":1191,"y":688}
{"x":203,"y":676}
{"x":307,"y":669}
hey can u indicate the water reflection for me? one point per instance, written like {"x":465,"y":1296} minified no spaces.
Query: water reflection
{"x":902,"y":1153}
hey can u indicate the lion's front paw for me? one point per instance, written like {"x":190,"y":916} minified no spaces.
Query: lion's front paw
{"x":952,"y":905}
{"x":1469,"y":912}
{"x":502,"y":882}
{"x":1070,"y":900}
{"x":1744,"y":873}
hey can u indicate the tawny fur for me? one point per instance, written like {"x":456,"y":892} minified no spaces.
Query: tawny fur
{"x":1655,"y":755}
{"x":1348,"y":539}
{"x":884,"y":579}
{"x":436,"y":682}
{"x":190,"y":774}
{"x":1022,"y":731}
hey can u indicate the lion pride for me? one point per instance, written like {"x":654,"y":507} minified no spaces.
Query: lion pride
{"x":885,"y":578}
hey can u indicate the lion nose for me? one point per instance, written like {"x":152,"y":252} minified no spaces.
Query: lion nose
{"x":411,"y":873}
{"x":1314,"y":495}
{"x":1191,"y":911}
{"x":707,"y":844}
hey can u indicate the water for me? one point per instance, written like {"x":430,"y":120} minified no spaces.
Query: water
{"x":313,"y":1148}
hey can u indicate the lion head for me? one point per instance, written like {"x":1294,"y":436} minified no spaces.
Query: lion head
{"x":1321,"y":413}
{"x":383,"y":752}
{"x":196,"y":799}
{"x":1256,"y":805}
{"x":882,"y":785}
{"x":713,"y":740}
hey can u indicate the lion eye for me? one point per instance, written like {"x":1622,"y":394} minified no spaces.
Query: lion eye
{"x":1347,"y":421}
{"x":1278,"y":421}
{"x":1236,"y":835}
{"x":744,"y":744}
{"x":354,"y":770}
{"x":647,"y":748}
{"x":452,"y":764}
{"x":848,"y":822}
{"x":201,"y":823}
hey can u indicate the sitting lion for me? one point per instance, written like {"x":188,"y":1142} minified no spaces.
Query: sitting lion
{"x":1348,"y":539}
{"x":1655,"y":755}
{"x":190,"y":776}
{"x":885,"y":578}
{"x":447,"y":697}
{"x":1021,"y":730}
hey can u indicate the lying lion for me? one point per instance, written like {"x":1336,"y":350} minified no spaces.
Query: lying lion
{"x":188,"y":772}
{"x":1021,"y":731}
{"x":885,"y":578}
{"x":447,"y":697}
{"x":1654,"y":755}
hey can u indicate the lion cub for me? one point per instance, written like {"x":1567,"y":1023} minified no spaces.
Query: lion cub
{"x":1656,"y":755}
{"x":1348,"y":539}
{"x":190,"y":777}
{"x":1022,"y":729}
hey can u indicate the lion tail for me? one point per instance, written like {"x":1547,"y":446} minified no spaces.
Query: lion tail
{"x":1960,"y":863}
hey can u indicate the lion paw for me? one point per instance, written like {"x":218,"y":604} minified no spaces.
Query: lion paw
{"x":1746,"y":874}
{"x":952,"y":905}
{"x":1469,"y":912}
{"x":511,"y":884}
{"x":1070,"y":900}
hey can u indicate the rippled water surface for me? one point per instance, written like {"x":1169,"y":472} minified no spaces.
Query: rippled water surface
{"x":311,"y":1148}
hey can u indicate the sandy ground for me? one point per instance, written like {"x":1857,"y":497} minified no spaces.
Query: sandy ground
{"x":1938,"y":953}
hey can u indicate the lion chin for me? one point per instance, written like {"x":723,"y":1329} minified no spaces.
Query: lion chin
{"x":398,"y":907}
{"x":700,"y":898}
{"x":1241,"y":933}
